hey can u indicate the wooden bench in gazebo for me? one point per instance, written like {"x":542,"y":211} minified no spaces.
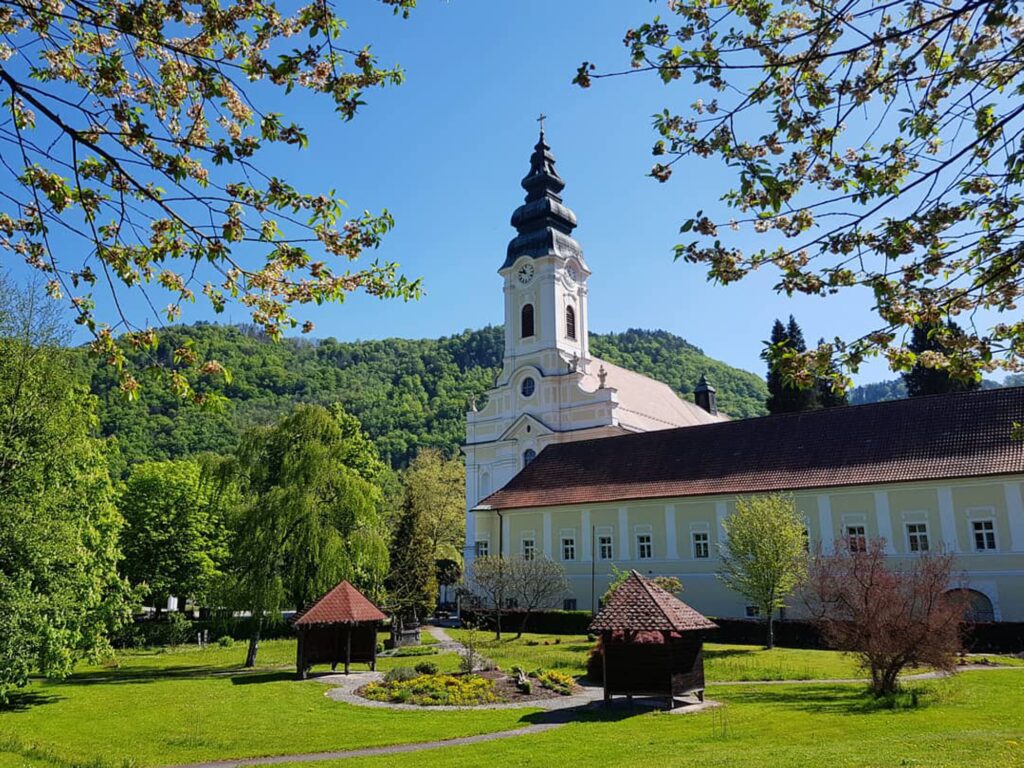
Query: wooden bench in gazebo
{"x":339,"y":628}
{"x":652,"y":643}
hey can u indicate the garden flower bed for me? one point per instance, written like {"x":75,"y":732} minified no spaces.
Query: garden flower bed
{"x":427,"y":688}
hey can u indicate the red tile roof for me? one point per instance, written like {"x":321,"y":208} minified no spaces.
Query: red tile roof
{"x":641,"y":605}
{"x":342,"y":605}
{"x":925,"y":438}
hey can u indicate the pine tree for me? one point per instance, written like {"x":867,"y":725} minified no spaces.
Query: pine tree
{"x":827,"y":397}
{"x":783,"y":398}
{"x":412,"y":580}
{"x":924,"y":380}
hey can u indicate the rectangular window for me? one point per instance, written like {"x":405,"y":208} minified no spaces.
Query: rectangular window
{"x":917,"y":537}
{"x":701,"y":546}
{"x":483,"y":548}
{"x":568,"y":548}
{"x":529,"y":549}
{"x":752,"y":611}
{"x":856,"y":538}
{"x":569,"y":604}
{"x":984,"y":535}
{"x":604,"y":547}
{"x":644,"y":547}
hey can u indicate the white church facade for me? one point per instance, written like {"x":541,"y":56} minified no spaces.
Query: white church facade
{"x":589,"y":464}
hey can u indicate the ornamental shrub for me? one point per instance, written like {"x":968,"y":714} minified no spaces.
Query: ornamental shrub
{"x":434,"y":690}
{"x":426,"y":668}
{"x":559,"y":682}
{"x":400,"y":674}
{"x":415,"y":650}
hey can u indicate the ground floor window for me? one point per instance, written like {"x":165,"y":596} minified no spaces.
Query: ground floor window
{"x":984,"y":535}
{"x":917,"y":537}
{"x":644,"y":547}
{"x":568,"y":548}
{"x":701,"y":545}
{"x":856,"y":538}
{"x":753,"y":611}
{"x":483,"y":548}
{"x":569,"y":604}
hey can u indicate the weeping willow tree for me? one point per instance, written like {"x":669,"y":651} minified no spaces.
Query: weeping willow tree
{"x":310,"y":514}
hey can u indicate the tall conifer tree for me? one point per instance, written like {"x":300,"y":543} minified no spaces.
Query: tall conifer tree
{"x":784,"y":398}
{"x":931,"y":343}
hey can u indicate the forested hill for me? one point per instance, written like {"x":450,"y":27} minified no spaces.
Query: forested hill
{"x":407,"y":393}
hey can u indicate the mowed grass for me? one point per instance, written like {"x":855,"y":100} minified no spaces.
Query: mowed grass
{"x":974,"y":720}
{"x":164,"y":708}
{"x":568,"y":653}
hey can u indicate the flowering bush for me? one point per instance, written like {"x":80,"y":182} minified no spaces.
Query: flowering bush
{"x":559,"y":682}
{"x":434,"y":690}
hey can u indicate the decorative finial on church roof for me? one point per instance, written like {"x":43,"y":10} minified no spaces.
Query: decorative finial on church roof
{"x":544,"y":223}
{"x":601,"y":376}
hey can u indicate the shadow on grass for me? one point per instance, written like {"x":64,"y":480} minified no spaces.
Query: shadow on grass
{"x":588,"y":713}
{"x":21,"y":701}
{"x":835,"y":700}
{"x":257,"y":678}
{"x":710,"y":653}
{"x":121,"y":676}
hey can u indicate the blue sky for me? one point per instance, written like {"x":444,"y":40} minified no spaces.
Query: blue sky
{"x":445,"y":153}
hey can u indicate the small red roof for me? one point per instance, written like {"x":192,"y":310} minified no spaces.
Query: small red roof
{"x":342,"y":605}
{"x":641,"y":605}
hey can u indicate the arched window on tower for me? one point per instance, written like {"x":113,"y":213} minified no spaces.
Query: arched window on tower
{"x":570,"y":322}
{"x":526,"y":321}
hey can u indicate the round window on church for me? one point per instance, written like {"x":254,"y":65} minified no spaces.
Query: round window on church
{"x":528,"y":386}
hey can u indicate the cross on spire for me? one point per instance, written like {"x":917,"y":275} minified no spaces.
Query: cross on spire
{"x":541,"y":120}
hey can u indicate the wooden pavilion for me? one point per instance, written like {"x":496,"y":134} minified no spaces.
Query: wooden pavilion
{"x":652,"y":643}
{"x":339,"y":628}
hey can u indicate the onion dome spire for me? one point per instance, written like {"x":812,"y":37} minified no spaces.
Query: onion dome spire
{"x":544,"y":224}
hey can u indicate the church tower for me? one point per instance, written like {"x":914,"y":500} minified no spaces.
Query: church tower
{"x":550,"y":388}
{"x":545,"y":277}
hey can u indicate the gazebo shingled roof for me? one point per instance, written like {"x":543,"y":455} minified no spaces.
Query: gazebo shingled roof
{"x":641,"y":605}
{"x":342,"y":605}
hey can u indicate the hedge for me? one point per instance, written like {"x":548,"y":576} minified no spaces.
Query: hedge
{"x":149,"y":632}
{"x":545,"y":622}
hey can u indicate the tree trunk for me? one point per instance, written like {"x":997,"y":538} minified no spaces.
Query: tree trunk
{"x":522,"y":624}
{"x":254,"y":644}
{"x":770,"y":639}
{"x":497,"y":624}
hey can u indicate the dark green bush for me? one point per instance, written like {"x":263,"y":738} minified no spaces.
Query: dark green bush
{"x":426,"y":668}
{"x":400,"y":675}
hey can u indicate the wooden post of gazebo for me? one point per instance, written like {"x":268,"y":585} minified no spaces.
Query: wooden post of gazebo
{"x":339,"y":628}
{"x":652,"y":643}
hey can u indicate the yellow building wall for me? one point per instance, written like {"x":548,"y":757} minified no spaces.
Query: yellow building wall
{"x":946,"y":509}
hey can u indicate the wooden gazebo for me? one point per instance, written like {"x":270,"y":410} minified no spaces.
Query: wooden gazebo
{"x":652,"y":643}
{"x":339,"y":628}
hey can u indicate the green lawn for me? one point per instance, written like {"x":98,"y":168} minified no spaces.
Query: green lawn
{"x":179,"y":706}
{"x":972,"y":721}
{"x":153,"y":708}
{"x":721,"y":662}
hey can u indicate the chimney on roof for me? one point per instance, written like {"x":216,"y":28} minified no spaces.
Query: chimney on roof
{"x":704,"y":396}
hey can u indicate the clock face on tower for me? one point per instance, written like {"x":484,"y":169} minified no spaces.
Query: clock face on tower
{"x":572,"y":274}
{"x":525,"y":273}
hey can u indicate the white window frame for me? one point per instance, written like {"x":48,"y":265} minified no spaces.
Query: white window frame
{"x":910,"y":535}
{"x":528,"y":537}
{"x":485,"y":544}
{"x":861,"y":537}
{"x":568,"y":547}
{"x":640,"y":545}
{"x":695,"y":546}
{"x":602,"y":539}
{"x":974,"y":535}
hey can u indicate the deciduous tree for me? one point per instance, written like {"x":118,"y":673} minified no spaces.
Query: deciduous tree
{"x":492,"y":586}
{"x":764,"y":556}
{"x":870,"y":147}
{"x":60,"y":594}
{"x":174,"y":538}
{"x":133,"y":140}
{"x":535,"y":583}
{"x":309,"y":517}
{"x":889,"y":618}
